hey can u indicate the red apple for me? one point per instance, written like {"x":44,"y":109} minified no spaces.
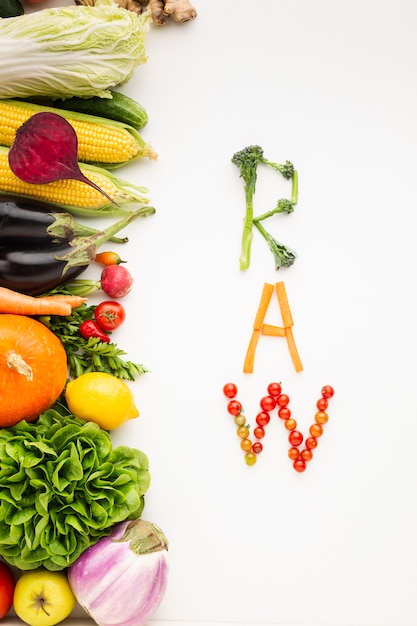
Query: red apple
{"x":7,"y":585}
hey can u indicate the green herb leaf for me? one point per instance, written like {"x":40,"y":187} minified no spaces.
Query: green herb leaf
{"x":89,"y":355}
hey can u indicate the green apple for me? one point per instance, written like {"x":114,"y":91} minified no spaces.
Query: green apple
{"x":43,"y":598}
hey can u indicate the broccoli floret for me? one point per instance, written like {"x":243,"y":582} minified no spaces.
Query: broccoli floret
{"x":247,"y":160}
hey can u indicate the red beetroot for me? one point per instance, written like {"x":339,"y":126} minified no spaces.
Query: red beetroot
{"x":45,"y":149}
{"x":116,"y":281}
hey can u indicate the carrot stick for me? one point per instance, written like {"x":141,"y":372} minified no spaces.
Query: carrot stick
{"x":284,"y":305}
{"x":263,"y":305}
{"x":293,"y":350}
{"x":266,"y":295}
{"x":22,"y":304}
{"x":273,"y":331}
{"x":250,"y":353}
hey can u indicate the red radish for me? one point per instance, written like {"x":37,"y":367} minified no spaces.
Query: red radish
{"x":45,"y":149}
{"x":116,"y":281}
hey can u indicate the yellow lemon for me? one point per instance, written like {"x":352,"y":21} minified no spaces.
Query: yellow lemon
{"x":101,"y":398}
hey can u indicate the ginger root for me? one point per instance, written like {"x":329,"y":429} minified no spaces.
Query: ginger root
{"x":160,"y":10}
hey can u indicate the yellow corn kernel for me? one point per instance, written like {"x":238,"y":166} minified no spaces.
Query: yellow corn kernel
{"x":104,"y":143}
{"x":69,"y":193}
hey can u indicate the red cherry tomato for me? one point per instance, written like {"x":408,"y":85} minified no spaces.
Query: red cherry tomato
{"x":283,"y":399}
{"x":263,"y":418}
{"x":109,"y":315}
{"x":274,"y":389}
{"x":257,"y":447}
{"x":7,"y":585}
{"x":267,"y":403}
{"x":230,"y":390}
{"x":234,"y":407}
{"x":327,"y":391}
{"x":295,"y":438}
{"x":259,"y":432}
{"x":284,"y":413}
{"x":299,"y":465}
{"x":311,"y":443}
{"x":322,"y":404}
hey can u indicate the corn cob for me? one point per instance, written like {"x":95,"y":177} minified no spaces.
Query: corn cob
{"x":101,"y":141}
{"x":74,"y":196}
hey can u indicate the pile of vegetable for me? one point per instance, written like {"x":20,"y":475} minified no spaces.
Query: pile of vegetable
{"x":71,"y":503}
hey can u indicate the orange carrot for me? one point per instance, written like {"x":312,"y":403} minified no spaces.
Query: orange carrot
{"x":273,"y":331}
{"x":268,"y":329}
{"x":263,"y":305}
{"x":288,"y":323}
{"x":284,"y":305}
{"x":22,"y":304}
{"x":257,"y":325}
{"x":74,"y":301}
{"x":250,"y":353}
{"x":293,"y":350}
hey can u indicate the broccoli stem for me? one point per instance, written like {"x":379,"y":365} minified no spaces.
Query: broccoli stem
{"x":247,"y":234}
{"x":294,"y":188}
{"x":283,"y":256}
{"x":283,"y":206}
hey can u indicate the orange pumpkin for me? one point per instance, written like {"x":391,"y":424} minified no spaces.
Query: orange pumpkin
{"x":33,"y":369}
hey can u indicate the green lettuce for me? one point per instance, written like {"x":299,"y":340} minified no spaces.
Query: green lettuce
{"x":62,"y":487}
{"x":71,"y":50}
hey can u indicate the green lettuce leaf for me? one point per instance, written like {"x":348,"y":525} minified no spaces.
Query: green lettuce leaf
{"x":62,"y":487}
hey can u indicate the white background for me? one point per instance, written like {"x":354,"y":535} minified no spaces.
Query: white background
{"x":329,"y":85}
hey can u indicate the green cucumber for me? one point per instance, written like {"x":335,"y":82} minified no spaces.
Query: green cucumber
{"x":119,"y":107}
{"x":10,"y":8}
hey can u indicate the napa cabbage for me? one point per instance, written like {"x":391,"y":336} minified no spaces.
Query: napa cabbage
{"x":71,"y":50}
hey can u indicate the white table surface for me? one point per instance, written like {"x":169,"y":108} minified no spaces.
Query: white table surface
{"x":331,"y":86}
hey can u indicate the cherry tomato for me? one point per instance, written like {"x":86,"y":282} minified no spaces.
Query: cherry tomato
{"x":90,"y":328}
{"x":257,"y":447}
{"x":311,"y":443}
{"x":284,"y":413}
{"x":234,"y":407}
{"x":263,"y":418}
{"x":316,"y":430}
{"x":250,"y":458}
{"x":293,"y":453}
{"x":246,"y":444}
{"x":290,"y":424}
{"x":299,"y":465}
{"x":7,"y":585}
{"x":268,"y":403}
{"x":283,"y":399}
{"x":230,"y":390}
{"x":240,"y":419}
{"x":321,"y":417}
{"x":327,"y":391}
{"x":274,"y":389}
{"x":306,"y":454}
{"x":295,"y":438}
{"x":259,"y":432}
{"x":322,"y":404}
{"x":109,"y":315}
{"x":243,"y":432}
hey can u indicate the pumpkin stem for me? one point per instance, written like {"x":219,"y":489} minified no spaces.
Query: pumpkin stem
{"x":16,"y":362}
